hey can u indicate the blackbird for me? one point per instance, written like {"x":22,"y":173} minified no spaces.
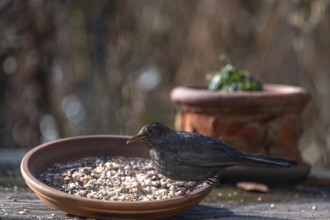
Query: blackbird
{"x":194,"y":157}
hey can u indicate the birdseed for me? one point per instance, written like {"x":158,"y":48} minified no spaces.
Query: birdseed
{"x":112,"y":178}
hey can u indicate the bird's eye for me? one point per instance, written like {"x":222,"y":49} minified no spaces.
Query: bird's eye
{"x":150,"y":131}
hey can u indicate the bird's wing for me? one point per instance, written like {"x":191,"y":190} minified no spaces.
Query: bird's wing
{"x":200,"y":160}
{"x":202,"y":151}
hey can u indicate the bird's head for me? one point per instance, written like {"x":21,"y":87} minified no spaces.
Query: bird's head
{"x":151,"y":134}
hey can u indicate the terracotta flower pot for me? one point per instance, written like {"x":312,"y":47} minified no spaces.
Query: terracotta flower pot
{"x":266,"y":122}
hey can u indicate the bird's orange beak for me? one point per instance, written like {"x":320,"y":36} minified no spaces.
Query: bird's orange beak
{"x":135,"y":138}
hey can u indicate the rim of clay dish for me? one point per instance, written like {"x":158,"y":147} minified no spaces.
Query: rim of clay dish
{"x":39,"y":154}
{"x":272,"y":95}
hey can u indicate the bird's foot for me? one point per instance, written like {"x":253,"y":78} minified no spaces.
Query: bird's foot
{"x":185,"y":194}
{"x":212,"y":180}
{"x":209,"y":181}
{"x":190,"y":189}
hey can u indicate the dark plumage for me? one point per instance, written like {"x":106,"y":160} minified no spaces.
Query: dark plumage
{"x":194,"y":157}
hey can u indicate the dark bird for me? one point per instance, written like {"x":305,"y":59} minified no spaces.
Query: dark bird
{"x":189,"y":156}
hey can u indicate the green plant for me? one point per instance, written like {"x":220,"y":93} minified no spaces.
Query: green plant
{"x":232,"y":79}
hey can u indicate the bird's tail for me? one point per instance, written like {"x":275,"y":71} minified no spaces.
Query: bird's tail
{"x":268,"y":161}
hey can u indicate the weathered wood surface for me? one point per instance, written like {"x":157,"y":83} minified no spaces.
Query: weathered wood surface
{"x":304,"y":203}
{"x":308,"y":200}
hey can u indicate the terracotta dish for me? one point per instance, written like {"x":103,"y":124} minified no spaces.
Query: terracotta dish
{"x":45,"y":155}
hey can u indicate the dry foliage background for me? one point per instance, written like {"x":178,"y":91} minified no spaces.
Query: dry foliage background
{"x":89,"y":67}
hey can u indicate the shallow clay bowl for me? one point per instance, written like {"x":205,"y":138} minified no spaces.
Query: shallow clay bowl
{"x":45,"y":155}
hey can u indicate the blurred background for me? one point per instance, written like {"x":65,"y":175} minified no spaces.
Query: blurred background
{"x":107,"y":67}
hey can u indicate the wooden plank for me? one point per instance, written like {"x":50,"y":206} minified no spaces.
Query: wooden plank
{"x":24,"y":204}
{"x":16,"y":204}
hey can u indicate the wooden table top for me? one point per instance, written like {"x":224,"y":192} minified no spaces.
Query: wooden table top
{"x":310,"y":200}
{"x":307,"y":200}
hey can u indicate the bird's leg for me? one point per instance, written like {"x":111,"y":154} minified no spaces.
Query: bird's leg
{"x":212,"y":180}
{"x":209,"y":181}
{"x":190,"y":188}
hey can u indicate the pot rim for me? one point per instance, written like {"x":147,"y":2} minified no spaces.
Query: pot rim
{"x":272,"y":95}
